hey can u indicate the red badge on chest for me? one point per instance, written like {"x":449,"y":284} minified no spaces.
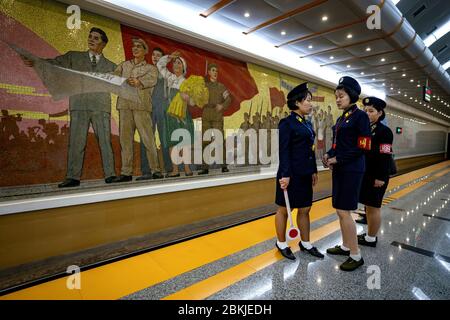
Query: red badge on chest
{"x":364,"y":143}
{"x":385,"y":148}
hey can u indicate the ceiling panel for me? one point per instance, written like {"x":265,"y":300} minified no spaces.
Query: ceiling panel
{"x":259,"y":11}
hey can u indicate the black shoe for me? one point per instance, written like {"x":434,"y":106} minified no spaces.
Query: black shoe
{"x":144,"y":177}
{"x":110,"y":179}
{"x":362,"y":241}
{"x":287,"y":253}
{"x":225,"y":169}
{"x":69,"y":183}
{"x":363,"y":220}
{"x":172,"y":175}
{"x":157,"y":175}
{"x":337,"y":250}
{"x":351,"y":264}
{"x":204,"y":171}
{"x":313,"y":251}
{"x":123,"y":178}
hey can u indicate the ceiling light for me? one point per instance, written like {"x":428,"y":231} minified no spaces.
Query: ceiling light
{"x":418,"y":86}
{"x":349,"y":36}
{"x":348,"y":66}
{"x":383,"y":60}
{"x":373,"y":79}
{"x":331,"y":57}
{"x":310,"y":46}
{"x":384,"y":84}
{"x":404,"y":75}
{"x":362,"y":73}
{"x":392,"y":88}
{"x":368,"y":49}
{"x":399,"y":92}
{"x":394,"y":68}
{"x":406,"y":95}
{"x":412,"y":80}
{"x":246,"y":14}
{"x":283,"y":33}
{"x":324,"y":18}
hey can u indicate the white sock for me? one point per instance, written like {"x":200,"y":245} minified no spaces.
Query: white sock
{"x":307,"y":245}
{"x":356,"y":257}
{"x":282,"y":245}
{"x":370,"y":239}
{"x":344,"y":248}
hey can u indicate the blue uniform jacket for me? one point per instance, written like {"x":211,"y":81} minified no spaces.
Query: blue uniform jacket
{"x":353,"y":138}
{"x":296,"y":141}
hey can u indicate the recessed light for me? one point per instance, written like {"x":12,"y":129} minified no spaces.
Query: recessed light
{"x":349,"y":36}
{"x":383,"y":60}
{"x":246,"y":14}
{"x":310,"y":46}
{"x":412,"y":80}
{"x":404,"y":75}
{"x":362,"y":73}
{"x":392,"y":88}
{"x":410,"y":98}
{"x":373,"y":79}
{"x":384,"y":84}
{"x":331,"y":57}
{"x":406,"y":95}
{"x":394,"y":68}
{"x":418,"y":86}
{"x":349,"y":66}
{"x":368,"y":49}
{"x":283,"y":33}
{"x":324,"y":18}
{"x":399,"y":92}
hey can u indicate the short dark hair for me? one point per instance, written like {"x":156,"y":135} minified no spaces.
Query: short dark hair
{"x":300,"y":97}
{"x":158,"y":49}
{"x":102,"y":34}
{"x":354,"y":96}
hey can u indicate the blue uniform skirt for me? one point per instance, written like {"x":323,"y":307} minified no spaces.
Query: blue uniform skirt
{"x":370,"y":195}
{"x":346,"y":189}
{"x":300,"y":192}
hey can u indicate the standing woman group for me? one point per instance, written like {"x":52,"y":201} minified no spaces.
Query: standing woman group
{"x":359,"y":159}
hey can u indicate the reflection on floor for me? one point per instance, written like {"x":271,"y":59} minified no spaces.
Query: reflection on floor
{"x":411,"y":260}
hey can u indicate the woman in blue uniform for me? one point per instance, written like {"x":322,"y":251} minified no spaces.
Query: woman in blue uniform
{"x":376,"y":177}
{"x":351,"y":136}
{"x":297,"y":171}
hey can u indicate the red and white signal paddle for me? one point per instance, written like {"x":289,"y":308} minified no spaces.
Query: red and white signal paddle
{"x":293,"y":231}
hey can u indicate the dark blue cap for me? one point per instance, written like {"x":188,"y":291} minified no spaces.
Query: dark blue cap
{"x":375,"y":102}
{"x":294,"y":93}
{"x":350,"y":83}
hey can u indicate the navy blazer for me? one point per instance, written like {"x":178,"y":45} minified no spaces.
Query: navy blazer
{"x":378,"y":160}
{"x":353,"y":138}
{"x":296,"y":140}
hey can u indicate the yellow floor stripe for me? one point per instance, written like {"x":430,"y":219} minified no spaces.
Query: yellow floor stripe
{"x":124,"y":277}
{"x":205,"y":288}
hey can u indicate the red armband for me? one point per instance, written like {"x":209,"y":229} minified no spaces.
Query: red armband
{"x":365,"y":143}
{"x":385,"y":148}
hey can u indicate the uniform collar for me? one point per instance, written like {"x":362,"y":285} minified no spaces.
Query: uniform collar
{"x":349,"y":111}
{"x":298,"y":117}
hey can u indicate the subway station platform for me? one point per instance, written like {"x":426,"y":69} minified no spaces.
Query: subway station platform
{"x":411,"y":260}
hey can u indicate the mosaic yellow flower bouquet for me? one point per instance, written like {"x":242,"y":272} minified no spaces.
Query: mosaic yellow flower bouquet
{"x":197,"y":91}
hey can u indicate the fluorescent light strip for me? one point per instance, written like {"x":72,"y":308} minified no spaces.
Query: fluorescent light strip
{"x":436,"y":35}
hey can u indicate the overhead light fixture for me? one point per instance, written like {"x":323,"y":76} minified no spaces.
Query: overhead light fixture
{"x":383,"y":60}
{"x":349,"y":66}
{"x":404,"y":75}
{"x":349,"y":36}
{"x":392,"y":88}
{"x":310,"y":46}
{"x":399,"y":92}
{"x":324,"y":18}
{"x":246,"y":14}
{"x":384,"y":84}
{"x":368,"y":49}
{"x":412,"y":80}
{"x":362,"y":73}
{"x":283,"y":33}
{"x":331,"y":57}
{"x":418,"y":85}
{"x":394,"y":68}
{"x":373,"y":79}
